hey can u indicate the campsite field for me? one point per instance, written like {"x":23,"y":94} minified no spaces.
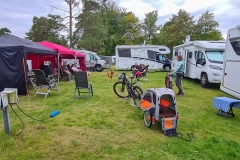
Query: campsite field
{"x":105,"y":127}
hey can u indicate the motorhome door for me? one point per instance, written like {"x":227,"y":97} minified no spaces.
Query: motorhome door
{"x":151,"y":59}
{"x":232,"y":62}
{"x":200,"y":63}
{"x":90,"y":60}
{"x":186,"y":69}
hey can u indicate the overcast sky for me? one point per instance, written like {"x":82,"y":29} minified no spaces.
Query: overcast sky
{"x":17,"y":15}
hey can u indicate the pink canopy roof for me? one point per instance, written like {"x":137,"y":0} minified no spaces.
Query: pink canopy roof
{"x":65,"y":52}
{"x":61,"y":49}
{"x":79,"y":54}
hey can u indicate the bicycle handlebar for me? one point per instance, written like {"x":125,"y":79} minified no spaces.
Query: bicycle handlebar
{"x":125,"y":70}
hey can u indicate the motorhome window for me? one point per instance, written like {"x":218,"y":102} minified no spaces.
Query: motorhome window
{"x":98,"y":57}
{"x":176,"y":52}
{"x":200,"y":56}
{"x":235,"y":43}
{"x":151,"y":54}
{"x":190,"y":55}
{"x":160,"y":57}
{"x":124,"y":53}
{"x":215,"y":56}
{"x":92,"y":57}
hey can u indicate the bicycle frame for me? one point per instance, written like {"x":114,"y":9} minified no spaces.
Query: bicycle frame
{"x":130,"y":86}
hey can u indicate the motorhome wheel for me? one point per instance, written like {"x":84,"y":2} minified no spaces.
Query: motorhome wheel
{"x":98,"y":68}
{"x":167,"y":68}
{"x":133,"y":66}
{"x":204,"y":80}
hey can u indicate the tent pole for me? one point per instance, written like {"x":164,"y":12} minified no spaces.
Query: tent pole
{"x":58,"y":67}
{"x":24,"y":57}
{"x":39,"y":62}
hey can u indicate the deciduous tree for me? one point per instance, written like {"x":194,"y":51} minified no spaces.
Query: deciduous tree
{"x":132,"y":29}
{"x":48,"y":28}
{"x":90,"y":27}
{"x":177,"y":28}
{"x":206,"y":28}
{"x":4,"y":31}
{"x":149,"y":25}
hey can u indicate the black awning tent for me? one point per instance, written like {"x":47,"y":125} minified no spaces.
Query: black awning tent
{"x":13,"y":70}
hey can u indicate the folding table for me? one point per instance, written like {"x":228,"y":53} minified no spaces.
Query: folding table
{"x":225,"y":105}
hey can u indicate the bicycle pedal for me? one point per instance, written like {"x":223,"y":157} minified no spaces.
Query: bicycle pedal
{"x":132,"y":104}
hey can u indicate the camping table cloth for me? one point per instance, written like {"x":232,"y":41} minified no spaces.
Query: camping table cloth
{"x":225,"y":104}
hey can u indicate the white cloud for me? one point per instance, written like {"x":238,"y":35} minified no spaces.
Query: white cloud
{"x":17,"y":15}
{"x":138,"y":7}
{"x":225,"y":11}
{"x":166,"y":7}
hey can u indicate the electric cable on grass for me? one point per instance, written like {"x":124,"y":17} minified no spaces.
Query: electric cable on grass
{"x":179,"y":135}
{"x":32,"y":117}
{"x":53,"y":114}
{"x":20,"y":131}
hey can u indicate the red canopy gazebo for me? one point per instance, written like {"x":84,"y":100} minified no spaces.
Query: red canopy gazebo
{"x":63,"y":51}
{"x":66,"y":53}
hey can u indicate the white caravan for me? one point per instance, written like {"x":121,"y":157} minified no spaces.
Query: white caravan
{"x":93,"y":60}
{"x":203,"y":60}
{"x":231,"y":66}
{"x":152,"y":55}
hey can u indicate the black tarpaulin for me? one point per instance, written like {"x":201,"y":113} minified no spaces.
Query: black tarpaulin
{"x":13,"y":52}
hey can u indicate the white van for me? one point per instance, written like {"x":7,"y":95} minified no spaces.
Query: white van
{"x":93,"y":60}
{"x":203,"y":60}
{"x":152,"y":55}
{"x":231,"y":66}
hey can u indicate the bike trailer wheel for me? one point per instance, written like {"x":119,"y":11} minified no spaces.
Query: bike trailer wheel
{"x":147,"y":118}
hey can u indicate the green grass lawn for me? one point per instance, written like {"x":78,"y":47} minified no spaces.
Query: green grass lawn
{"x":105,"y":127}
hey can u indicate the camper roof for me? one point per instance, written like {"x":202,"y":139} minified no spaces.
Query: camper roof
{"x":85,"y":51}
{"x":155,"y":48}
{"x":205,"y":44}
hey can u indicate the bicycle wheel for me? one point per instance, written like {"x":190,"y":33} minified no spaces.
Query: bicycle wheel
{"x":120,"y":89}
{"x":137,"y":93}
{"x":147,"y":118}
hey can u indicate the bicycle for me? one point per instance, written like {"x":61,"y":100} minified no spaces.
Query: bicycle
{"x":126,"y":89}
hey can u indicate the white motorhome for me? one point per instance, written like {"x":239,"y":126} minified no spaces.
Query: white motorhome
{"x":203,"y":60}
{"x":93,"y":60}
{"x":231,"y":66}
{"x":152,"y":55}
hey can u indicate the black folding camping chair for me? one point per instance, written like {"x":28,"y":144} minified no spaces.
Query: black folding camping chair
{"x":44,"y":82}
{"x":81,"y":81}
{"x":143,"y":75}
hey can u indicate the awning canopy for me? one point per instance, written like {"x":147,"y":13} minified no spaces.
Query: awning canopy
{"x":13,"y":43}
{"x":61,"y":49}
